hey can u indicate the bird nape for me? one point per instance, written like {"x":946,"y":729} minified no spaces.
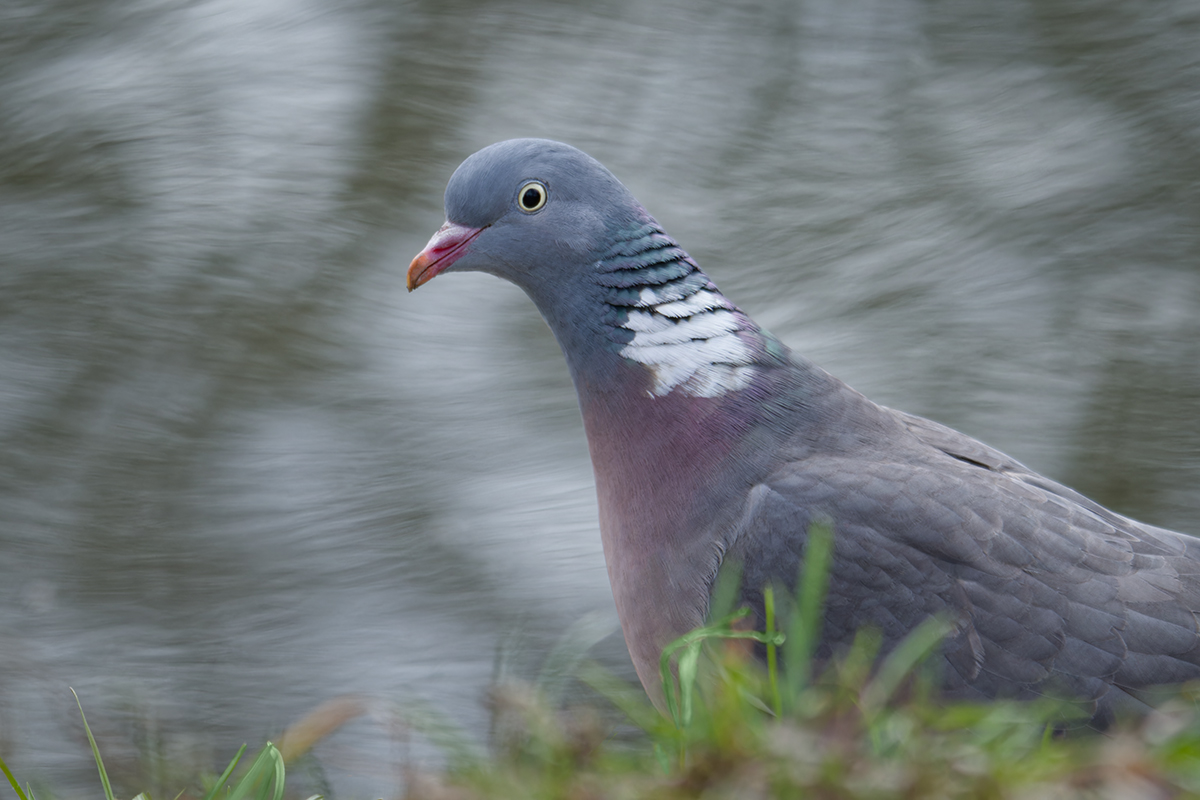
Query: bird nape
{"x":711,"y":442}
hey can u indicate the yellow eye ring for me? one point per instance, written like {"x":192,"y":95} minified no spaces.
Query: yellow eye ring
{"x":531,"y":196}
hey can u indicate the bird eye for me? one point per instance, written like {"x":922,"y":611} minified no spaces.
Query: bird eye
{"x":532,"y":196}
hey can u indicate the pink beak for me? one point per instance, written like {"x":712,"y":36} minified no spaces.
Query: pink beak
{"x":448,"y":245}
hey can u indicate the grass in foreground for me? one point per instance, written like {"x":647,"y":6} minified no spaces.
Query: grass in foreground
{"x":862,"y":726}
{"x":262,"y":780}
{"x":853,"y":733}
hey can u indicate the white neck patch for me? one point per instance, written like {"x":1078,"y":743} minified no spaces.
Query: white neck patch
{"x":689,"y":343}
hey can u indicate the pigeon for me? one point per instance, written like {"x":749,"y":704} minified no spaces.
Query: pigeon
{"x":712,"y":443}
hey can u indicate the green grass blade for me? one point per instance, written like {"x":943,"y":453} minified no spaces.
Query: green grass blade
{"x":670,"y":688}
{"x":279,"y":775}
{"x":912,"y":650}
{"x":678,"y":693}
{"x":108,"y":794}
{"x":804,"y":629}
{"x":264,"y":779}
{"x":16,"y":786}
{"x":818,"y":553}
{"x":726,"y":590}
{"x":689,"y":665}
{"x":772,"y":656}
{"x":212,"y":793}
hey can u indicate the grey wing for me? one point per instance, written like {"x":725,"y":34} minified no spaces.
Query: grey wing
{"x":1051,"y":591}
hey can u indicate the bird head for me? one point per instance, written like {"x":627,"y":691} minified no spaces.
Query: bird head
{"x":531,"y":211}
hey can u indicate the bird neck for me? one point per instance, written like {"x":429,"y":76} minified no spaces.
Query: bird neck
{"x":670,"y":320}
{"x":668,"y":371}
{"x":674,"y":383}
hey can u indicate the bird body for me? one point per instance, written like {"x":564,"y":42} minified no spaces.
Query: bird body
{"x":712,"y":442}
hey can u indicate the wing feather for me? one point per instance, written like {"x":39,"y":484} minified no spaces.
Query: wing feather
{"x":1052,"y":592}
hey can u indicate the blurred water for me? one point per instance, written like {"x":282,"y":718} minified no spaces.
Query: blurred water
{"x":242,"y":471}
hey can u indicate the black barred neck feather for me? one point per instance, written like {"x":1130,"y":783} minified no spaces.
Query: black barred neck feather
{"x":669,"y":317}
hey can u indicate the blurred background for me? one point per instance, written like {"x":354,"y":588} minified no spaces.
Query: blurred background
{"x":242,"y":471}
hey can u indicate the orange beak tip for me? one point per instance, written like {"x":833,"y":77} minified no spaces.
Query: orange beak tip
{"x":448,"y":245}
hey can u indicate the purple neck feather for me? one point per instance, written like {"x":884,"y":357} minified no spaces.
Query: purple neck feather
{"x":669,"y":407}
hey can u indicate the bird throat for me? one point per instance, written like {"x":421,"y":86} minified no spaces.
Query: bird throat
{"x":672,"y":320}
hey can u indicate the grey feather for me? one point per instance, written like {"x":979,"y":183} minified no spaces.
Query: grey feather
{"x":1053,"y":592}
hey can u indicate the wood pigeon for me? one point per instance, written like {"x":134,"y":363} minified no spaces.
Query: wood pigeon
{"x":712,"y":442}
